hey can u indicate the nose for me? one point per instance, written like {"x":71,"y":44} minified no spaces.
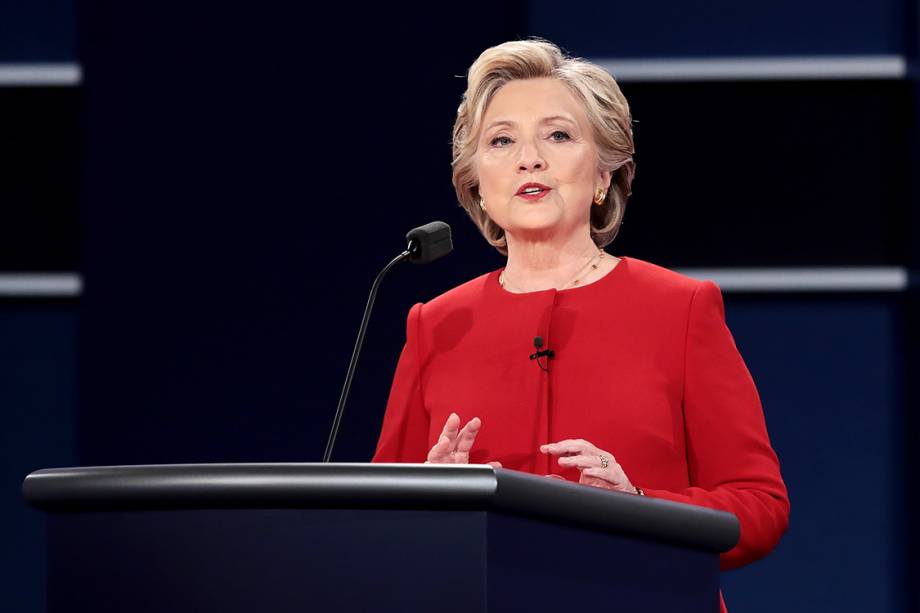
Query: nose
{"x":531,"y":158}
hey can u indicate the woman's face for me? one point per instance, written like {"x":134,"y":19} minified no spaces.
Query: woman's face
{"x":536,"y":137}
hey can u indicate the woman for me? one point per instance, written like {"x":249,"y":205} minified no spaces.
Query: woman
{"x":645,"y":392}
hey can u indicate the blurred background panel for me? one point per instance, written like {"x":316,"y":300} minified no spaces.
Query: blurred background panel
{"x":716,"y":28}
{"x":39,"y":259}
{"x":195,"y":203}
{"x":240,"y":197}
{"x":39,"y":155}
{"x":770,"y":173}
{"x":827,"y":367}
{"x":38,"y":31}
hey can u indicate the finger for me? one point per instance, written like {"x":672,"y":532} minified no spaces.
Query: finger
{"x":568,"y":446}
{"x":564,"y":450}
{"x":451,"y":431}
{"x":451,"y":426}
{"x":468,"y":435}
{"x":495,"y":464}
{"x":439,"y":451}
{"x":598,"y":483}
{"x":580,"y":461}
{"x":559,"y":449}
{"x":600,"y":473}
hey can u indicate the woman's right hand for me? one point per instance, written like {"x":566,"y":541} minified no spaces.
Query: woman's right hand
{"x":454,"y":444}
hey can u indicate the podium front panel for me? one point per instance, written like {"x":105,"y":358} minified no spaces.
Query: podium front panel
{"x":303,"y":560}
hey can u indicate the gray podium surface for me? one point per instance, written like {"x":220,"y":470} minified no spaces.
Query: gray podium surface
{"x":383,"y":537}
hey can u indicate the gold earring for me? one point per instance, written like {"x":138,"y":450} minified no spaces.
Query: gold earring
{"x":482,"y":203}
{"x":600,"y":196}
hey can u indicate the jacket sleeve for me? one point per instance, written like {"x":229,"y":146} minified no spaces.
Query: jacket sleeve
{"x":404,"y":435}
{"x":731,"y":463}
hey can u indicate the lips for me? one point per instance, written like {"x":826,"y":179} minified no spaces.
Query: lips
{"x":530,"y":187}
{"x":532,"y":191}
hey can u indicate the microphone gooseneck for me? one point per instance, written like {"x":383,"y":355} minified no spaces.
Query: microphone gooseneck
{"x":426,"y":244}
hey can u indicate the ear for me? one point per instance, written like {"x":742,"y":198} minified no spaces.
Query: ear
{"x":603,"y":178}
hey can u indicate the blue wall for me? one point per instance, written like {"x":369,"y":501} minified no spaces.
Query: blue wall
{"x":826,"y":369}
{"x":723,"y":28}
{"x":246,"y":171}
{"x":38,"y":394}
{"x":38,"y":233}
{"x":38,"y":31}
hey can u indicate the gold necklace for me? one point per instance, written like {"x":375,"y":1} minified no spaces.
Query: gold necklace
{"x":594,"y":261}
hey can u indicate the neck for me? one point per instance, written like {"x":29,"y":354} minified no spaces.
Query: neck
{"x":535,"y":265}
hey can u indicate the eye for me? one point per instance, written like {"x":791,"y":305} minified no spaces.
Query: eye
{"x":560,"y":136}
{"x":500,"y":141}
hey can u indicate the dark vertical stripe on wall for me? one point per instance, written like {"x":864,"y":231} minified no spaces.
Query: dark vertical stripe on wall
{"x":911,"y":327}
{"x":904,"y":440}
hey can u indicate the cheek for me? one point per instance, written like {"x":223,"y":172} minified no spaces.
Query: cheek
{"x":581,"y":173}
{"x":587,"y":166}
{"x":490,"y":175}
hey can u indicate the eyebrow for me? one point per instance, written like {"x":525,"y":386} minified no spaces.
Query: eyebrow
{"x":508,"y":122}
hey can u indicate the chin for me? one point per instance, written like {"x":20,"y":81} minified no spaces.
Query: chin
{"x":537,"y":219}
{"x":536,"y":231}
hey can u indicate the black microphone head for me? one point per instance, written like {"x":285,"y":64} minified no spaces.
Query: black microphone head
{"x":429,"y":242}
{"x":538,"y":341}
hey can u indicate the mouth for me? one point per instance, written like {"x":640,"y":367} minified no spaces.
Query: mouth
{"x":532,"y":191}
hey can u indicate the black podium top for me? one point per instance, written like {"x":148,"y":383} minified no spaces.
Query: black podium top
{"x":470,"y":487}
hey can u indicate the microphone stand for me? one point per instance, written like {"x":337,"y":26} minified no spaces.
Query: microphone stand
{"x":352,"y":365}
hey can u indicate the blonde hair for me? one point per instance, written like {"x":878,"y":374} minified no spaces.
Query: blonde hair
{"x":605,"y":106}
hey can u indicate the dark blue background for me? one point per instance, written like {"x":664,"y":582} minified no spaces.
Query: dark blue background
{"x":246,"y":170}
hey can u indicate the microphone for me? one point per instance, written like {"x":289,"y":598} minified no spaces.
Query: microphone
{"x":540,"y":353}
{"x":425,"y":244}
{"x":429,"y":242}
{"x":537,"y":343}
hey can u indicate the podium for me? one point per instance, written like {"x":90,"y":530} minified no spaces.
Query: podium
{"x":368,"y":537}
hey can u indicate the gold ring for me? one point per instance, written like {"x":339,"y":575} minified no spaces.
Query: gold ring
{"x":604,"y":461}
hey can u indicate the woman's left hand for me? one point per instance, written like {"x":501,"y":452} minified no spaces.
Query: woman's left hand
{"x":598,"y":467}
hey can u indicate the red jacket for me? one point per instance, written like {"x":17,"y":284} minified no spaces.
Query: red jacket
{"x":644,"y":368}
